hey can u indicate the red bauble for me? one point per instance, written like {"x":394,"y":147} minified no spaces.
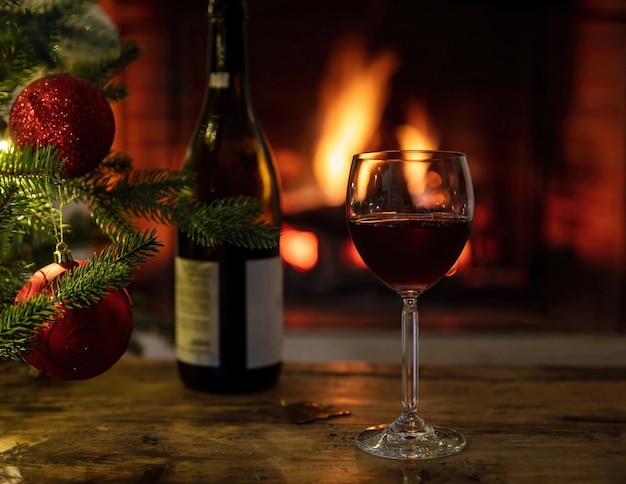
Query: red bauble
{"x":68,"y":113}
{"x":81,"y":343}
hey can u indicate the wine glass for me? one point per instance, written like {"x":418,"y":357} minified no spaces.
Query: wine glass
{"x":409,"y":215}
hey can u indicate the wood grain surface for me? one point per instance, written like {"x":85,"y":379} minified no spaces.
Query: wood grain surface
{"x":137,"y":423}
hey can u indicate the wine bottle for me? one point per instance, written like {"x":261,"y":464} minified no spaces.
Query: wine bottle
{"x":229,"y":299}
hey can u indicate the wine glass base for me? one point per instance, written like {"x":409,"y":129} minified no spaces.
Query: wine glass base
{"x":433,"y":443}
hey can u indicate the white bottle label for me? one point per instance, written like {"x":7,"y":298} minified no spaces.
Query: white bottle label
{"x":197,"y":312}
{"x":264,"y":311}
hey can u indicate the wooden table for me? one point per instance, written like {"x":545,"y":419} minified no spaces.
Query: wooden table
{"x":137,"y":423}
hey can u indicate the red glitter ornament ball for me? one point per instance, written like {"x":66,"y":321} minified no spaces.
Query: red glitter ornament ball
{"x":81,"y":343}
{"x":69,"y":113}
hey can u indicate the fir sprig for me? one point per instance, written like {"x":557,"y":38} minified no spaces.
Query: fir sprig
{"x":10,"y":284}
{"x":24,"y":49}
{"x":29,"y":45}
{"x":116,"y":197}
{"x":18,"y":322}
{"x":30,"y":181}
{"x":17,"y":165}
{"x":110,"y":270}
{"x":102,"y":73}
{"x":233,"y":219}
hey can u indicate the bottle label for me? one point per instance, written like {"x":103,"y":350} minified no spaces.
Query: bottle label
{"x":264,"y":311}
{"x":219,"y":80}
{"x":197,"y":312}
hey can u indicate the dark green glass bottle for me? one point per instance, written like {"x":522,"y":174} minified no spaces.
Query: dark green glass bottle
{"x":228,"y":299}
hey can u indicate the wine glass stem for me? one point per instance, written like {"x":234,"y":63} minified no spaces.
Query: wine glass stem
{"x":410,"y":357}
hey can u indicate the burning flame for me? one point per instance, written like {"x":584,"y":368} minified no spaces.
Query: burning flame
{"x":352,"y":99}
{"x":418,"y":132}
{"x":298,"y":248}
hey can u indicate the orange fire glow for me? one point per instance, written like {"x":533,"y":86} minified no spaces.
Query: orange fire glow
{"x":352,"y":99}
{"x":418,"y":132}
{"x":299,"y":248}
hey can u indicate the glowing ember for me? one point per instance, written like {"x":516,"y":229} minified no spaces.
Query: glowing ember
{"x":352,"y":99}
{"x":298,"y":248}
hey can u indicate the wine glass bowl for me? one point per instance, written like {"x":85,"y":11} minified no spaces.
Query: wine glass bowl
{"x":409,"y":214}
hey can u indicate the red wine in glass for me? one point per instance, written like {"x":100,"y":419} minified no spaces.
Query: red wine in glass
{"x":409,"y":251}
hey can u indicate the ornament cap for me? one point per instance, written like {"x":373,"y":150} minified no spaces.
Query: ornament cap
{"x":63,"y":253}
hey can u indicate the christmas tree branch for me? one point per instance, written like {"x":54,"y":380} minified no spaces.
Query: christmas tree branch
{"x":165,"y":196}
{"x":18,"y":322}
{"x":26,"y":46}
{"x":30,"y":161}
{"x":21,"y":221}
{"x":101,"y":73}
{"x":232,"y":219}
{"x":108,"y":271}
{"x":39,"y":39}
{"x":116,"y":198}
{"x":29,"y":182}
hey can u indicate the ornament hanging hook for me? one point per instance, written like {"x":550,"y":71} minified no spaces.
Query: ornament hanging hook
{"x":63,"y":253}
{"x":58,"y":229}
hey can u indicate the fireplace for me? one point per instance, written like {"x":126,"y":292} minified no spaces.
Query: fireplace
{"x":532,"y":91}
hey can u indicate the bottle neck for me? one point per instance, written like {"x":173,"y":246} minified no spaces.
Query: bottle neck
{"x":227,"y":43}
